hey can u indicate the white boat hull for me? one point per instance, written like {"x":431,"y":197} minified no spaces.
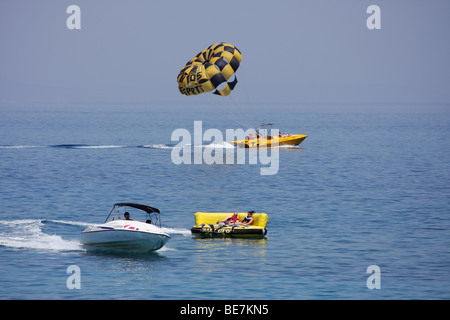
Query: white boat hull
{"x":125,"y":236}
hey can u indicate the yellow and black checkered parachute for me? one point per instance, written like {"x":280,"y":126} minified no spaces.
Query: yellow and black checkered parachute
{"x":211,"y":69}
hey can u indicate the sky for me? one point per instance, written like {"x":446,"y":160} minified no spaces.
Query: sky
{"x":294,"y":52}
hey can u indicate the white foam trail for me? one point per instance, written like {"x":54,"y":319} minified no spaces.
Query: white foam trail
{"x":28,"y":234}
{"x":156,"y":146}
{"x":166,"y":248}
{"x":290,"y":146}
{"x":224,"y":145}
{"x":80,"y":146}
{"x":98,"y":147}
{"x":19,"y":147}
{"x":184,"y":232}
{"x":73,"y":223}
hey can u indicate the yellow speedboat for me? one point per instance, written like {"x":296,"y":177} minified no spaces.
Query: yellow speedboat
{"x":206,"y":225}
{"x":269,"y":141}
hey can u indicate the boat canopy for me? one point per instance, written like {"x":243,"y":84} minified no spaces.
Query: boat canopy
{"x":146,"y":208}
{"x":149,"y":210}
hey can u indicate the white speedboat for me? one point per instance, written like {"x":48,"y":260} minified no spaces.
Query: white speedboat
{"x":121,"y":232}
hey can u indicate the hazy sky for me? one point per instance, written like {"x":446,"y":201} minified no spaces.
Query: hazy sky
{"x":314,"y":51}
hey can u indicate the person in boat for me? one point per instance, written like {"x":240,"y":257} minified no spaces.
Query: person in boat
{"x":251,"y":136}
{"x":230,"y":220}
{"x":248,"y":220}
{"x":127,"y":216}
{"x":279,"y":134}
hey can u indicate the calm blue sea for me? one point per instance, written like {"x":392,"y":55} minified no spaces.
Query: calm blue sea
{"x":369,"y":186}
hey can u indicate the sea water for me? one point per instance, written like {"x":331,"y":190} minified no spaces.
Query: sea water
{"x":368,"y":187}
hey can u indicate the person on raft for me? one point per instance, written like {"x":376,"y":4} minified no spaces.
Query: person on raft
{"x":248,"y":220}
{"x":231,"y":219}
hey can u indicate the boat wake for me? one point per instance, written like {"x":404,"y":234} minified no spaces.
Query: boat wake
{"x":29,"y":234}
{"x":86,"y":146}
{"x":290,"y":147}
{"x":180,"y":231}
{"x":155,"y":146}
{"x":221,"y":145}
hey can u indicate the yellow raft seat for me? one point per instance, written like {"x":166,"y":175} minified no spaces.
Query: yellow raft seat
{"x":206,"y":225}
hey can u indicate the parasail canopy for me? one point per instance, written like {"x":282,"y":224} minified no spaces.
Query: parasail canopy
{"x":211,"y":69}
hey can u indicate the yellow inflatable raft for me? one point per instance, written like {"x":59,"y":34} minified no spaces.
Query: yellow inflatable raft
{"x":206,"y":225}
